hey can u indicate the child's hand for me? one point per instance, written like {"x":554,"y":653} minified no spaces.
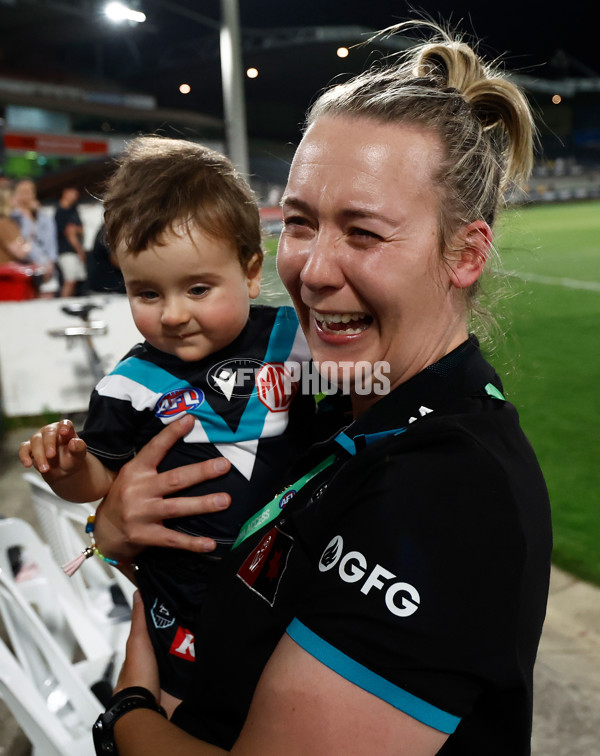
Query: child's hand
{"x":55,"y":450}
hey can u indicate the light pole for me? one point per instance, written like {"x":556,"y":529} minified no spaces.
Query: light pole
{"x":233,"y":86}
{"x":231,"y":69}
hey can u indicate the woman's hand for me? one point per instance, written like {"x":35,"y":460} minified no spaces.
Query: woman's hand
{"x":131,"y":515}
{"x":139,"y":667}
{"x":142,"y":731}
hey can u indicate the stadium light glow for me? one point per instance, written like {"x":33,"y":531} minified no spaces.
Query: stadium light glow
{"x":342,"y":52}
{"x":252,"y":73}
{"x":117,"y":12}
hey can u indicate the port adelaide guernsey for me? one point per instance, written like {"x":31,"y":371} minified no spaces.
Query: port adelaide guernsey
{"x":242,"y":407}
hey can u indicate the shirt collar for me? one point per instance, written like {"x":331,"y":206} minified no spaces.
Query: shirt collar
{"x":461,"y":373}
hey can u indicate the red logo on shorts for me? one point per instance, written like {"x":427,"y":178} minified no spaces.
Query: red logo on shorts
{"x":274,"y":386}
{"x":183,"y":645}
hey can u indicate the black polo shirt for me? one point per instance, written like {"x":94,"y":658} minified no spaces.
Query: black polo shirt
{"x":416,"y":566}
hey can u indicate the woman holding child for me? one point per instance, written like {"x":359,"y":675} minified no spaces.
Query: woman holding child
{"x":395,"y":605}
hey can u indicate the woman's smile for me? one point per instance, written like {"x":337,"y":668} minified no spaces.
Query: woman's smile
{"x":342,"y":323}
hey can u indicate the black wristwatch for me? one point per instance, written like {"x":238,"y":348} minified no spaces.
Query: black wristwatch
{"x":126,"y":700}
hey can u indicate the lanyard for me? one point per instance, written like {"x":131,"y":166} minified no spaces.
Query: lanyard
{"x":351,"y":445}
{"x":272,"y":509}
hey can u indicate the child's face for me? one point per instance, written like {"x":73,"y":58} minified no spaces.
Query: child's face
{"x":189,"y":296}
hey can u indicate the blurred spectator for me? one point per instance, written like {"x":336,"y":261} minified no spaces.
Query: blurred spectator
{"x":71,"y":254}
{"x":39,"y":231}
{"x":18,"y":278}
{"x":102,"y":271}
{"x":13,"y":247}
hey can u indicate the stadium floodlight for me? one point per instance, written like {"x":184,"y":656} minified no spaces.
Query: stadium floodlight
{"x":117,"y":12}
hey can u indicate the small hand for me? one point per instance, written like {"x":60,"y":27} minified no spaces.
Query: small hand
{"x":55,"y":450}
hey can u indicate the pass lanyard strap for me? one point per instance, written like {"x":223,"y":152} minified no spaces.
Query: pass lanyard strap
{"x":349,"y":444}
{"x":274,"y":507}
{"x":271,"y":510}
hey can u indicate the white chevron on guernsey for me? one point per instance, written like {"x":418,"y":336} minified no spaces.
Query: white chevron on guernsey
{"x":119,"y":387}
{"x":242,"y":455}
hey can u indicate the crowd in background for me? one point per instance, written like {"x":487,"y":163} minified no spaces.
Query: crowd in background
{"x":42,"y":253}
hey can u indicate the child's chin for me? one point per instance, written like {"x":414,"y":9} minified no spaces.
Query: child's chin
{"x":188,"y":353}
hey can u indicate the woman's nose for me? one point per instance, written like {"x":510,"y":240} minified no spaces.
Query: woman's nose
{"x":174,"y":312}
{"x":322,"y":267}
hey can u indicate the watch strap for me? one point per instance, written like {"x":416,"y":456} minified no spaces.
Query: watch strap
{"x":121,"y":703}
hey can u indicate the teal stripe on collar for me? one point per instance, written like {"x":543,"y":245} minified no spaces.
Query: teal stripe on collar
{"x":493,"y":391}
{"x":356,"y":443}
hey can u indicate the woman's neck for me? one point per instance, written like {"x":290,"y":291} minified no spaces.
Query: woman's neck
{"x":362,"y":402}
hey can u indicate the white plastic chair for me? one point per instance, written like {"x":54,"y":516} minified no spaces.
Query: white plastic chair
{"x":58,"y":650}
{"x":48,"y":735}
{"x":63,"y":526}
{"x":44,"y":602}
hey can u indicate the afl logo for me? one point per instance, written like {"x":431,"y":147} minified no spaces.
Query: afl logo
{"x":178,"y":401}
{"x":287,"y":498}
{"x":332,"y":554}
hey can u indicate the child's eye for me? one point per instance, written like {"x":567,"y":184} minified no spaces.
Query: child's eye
{"x":147,"y":296}
{"x":199,"y":290}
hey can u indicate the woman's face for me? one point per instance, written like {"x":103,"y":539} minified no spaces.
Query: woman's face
{"x":24,"y":194}
{"x":361,"y":244}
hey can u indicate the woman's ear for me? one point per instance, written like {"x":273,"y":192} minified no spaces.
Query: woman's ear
{"x":470,"y":251}
{"x":254,"y":276}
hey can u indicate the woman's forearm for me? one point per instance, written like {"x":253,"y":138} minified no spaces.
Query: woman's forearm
{"x":144,"y":732}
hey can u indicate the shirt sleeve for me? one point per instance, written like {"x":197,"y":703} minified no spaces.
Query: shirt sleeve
{"x":110,"y":430}
{"x":412,"y":597}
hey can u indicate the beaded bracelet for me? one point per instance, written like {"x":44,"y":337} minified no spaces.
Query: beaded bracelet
{"x":89,"y":529}
{"x":71,"y":567}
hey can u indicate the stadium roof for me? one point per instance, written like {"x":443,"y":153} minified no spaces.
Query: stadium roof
{"x":292,"y":45}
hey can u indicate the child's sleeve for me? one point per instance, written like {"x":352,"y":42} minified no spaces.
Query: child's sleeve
{"x":110,"y":430}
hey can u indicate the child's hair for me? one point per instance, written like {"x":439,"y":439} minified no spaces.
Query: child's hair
{"x":160,"y":183}
{"x":482,"y":119}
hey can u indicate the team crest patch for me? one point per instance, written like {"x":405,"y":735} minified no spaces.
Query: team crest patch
{"x":264,"y":567}
{"x":161,"y":616}
{"x":275,"y":387}
{"x":183,"y":645}
{"x":178,"y":401}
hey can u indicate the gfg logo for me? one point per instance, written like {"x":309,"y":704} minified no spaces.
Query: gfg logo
{"x":401,"y":599}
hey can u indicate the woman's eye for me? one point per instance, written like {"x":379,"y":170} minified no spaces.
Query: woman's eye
{"x":362,"y":232}
{"x":294,"y":221}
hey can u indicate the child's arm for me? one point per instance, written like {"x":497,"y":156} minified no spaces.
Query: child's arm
{"x":65,"y":464}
